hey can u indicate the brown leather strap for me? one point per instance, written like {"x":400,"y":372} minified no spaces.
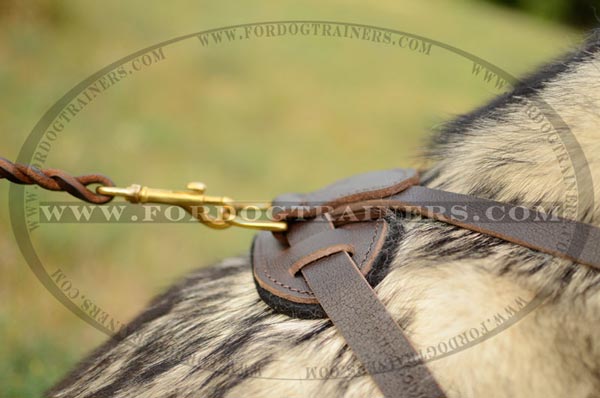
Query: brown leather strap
{"x":554,"y":235}
{"x":363,"y":320}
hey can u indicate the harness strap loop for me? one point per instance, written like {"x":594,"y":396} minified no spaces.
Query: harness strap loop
{"x":316,"y":247}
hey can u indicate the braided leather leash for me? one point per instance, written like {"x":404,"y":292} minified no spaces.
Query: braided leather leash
{"x":193,"y":200}
{"x":56,"y":180}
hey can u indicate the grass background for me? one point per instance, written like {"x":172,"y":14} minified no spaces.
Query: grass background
{"x":250,"y":119}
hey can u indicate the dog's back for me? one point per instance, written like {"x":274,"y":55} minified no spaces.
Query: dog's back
{"x":496,"y":319}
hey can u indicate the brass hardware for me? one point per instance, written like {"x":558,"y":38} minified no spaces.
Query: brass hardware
{"x":194,"y":201}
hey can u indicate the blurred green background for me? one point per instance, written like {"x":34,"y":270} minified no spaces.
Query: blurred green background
{"x":250,"y":119}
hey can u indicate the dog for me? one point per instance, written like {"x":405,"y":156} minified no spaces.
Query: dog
{"x":491,"y":318}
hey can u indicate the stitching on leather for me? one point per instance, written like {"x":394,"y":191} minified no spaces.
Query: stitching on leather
{"x":372,"y":242}
{"x":284,"y":285}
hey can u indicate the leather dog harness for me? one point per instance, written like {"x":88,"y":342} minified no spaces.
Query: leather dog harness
{"x":337,"y":248}
{"x":332,"y":246}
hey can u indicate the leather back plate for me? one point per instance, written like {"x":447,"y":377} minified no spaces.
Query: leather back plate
{"x":272,"y":260}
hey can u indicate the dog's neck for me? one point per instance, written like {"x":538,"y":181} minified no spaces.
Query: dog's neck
{"x":536,"y":146}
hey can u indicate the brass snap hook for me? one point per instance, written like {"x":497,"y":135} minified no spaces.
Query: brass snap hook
{"x":194,"y":201}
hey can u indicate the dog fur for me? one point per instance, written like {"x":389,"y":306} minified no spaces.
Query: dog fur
{"x":211,"y":336}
